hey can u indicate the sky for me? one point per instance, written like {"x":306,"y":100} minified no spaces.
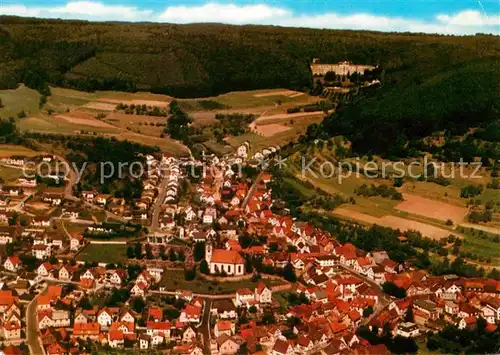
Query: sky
{"x":457,"y":17}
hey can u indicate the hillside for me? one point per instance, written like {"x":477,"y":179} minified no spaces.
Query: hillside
{"x":209,"y":59}
{"x":457,"y":98}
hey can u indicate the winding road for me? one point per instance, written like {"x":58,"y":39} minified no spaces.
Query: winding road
{"x":32,"y":336}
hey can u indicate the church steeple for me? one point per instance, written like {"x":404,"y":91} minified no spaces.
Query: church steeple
{"x":208,"y":250}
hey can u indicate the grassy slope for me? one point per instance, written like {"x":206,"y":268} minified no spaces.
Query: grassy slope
{"x":17,"y":100}
{"x":62,"y":99}
{"x":174,"y":279}
{"x":99,"y":252}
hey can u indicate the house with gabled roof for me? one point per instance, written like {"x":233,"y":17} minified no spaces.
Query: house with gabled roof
{"x":188,"y":335}
{"x":228,"y":344}
{"x":158,"y":331}
{"x":86,"y":330}
{"x":190,"y":314}
{"x":139,"y":289}
{"x":224,"y":327}
{"x":105,"y":316}
{"x":11,"y":330}
{"x":45,"y":269}
{"x":65,"y":273}
{"x":12,"y":263}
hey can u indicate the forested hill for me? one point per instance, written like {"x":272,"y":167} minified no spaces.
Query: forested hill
{"x":208,"y":59}
{"x":392,"y":121}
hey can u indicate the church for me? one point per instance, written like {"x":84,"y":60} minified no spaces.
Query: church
{"x":221,"y":260}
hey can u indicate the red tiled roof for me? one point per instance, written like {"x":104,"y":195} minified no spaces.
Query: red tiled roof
{"x":14,"y":259}
{"x":12,"y":350}
{"x":159,"y":325}
{"x":226,"y":257}
{"x":244,"y":291}
{"x":155,"y":313}
{"x":115,"y":335}
{"x":224,"y":325}
{"x":86,"y":329}
{"x":118,"y":325}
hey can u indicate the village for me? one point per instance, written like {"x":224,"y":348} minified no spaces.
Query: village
{"x":268,"y":283}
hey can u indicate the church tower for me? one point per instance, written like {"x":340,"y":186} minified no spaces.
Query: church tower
{"x":208,"y":251}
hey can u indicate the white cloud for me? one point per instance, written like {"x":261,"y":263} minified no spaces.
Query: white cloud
{"x":88,"y":10}
{"x":465,"y":22}
{"x":469,"y":18}
{"x":95,"y":9}
{"x":19,"y":10}
{"x":225,"y":13}
{"x":461,"y":23}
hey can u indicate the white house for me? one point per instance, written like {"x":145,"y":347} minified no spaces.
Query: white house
{"x":105,"y":318}
{"x":12,"y":263}
{"x":263,"y":294}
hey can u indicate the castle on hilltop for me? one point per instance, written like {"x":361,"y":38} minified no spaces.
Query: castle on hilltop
{"x":341,"y":68}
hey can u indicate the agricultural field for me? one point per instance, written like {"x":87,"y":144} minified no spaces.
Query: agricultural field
{"x":430,"y":208}
{"x":415,"y":212}
{"x":9,"y":175}
{"x":8,"y":150}
{"x":146,"y":125}
{"x":394,"y":222}
{"x":73,"y":112}
{"x":98,"y":252}
{"x":280,"y":136}
{"x":278,"y":99}
{"x":482,"y":244}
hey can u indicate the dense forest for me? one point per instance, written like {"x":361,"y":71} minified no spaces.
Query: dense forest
{"x":208,"y":59}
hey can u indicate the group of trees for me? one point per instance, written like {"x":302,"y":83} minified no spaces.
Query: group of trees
{"x":295,"y":193}
{"x":178,"y":123}
{"x":468,"y":149}
{"x":378,"y":190}
{"x":471,"y":191}
{"x":392,"y":289}
{"x":142,"y":110}
{"x":234,"y":124}
{"x":318,"y":106}
{"x":107,"y":164}
{"x":395,"y":344}
{"x":138,"y":252}
{"x":494,"y":184}
{"x":477,"y":340}
{"x":9,"y":133}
